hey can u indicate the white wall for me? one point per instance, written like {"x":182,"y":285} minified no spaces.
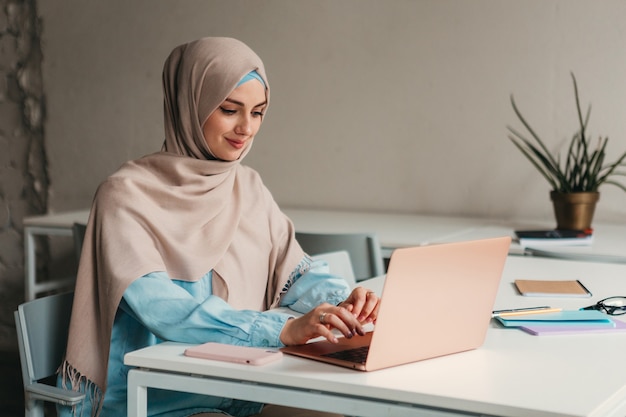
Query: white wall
{"x":376,"y":105}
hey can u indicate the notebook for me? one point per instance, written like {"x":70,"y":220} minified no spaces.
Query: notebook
{"x":563,"y":318}
{"x":436,"y":300}
{"x":580,"y":328}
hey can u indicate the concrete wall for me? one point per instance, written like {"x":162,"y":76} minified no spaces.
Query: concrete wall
{"x":23,"y":176}
{"x":395,"y":105}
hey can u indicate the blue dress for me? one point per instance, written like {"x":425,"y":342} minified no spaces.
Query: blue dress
{"x":155,"y":308}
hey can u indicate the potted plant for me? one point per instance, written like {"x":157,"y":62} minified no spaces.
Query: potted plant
{"x":576,"y":177}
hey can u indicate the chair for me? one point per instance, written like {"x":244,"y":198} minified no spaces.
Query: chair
{"x":338,"y":264}
{"x":42,"y":327}
{"x":78,"y":231}
{"x":364,"y":250}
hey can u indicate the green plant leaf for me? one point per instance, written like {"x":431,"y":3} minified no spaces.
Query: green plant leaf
{"x":584,"y":167}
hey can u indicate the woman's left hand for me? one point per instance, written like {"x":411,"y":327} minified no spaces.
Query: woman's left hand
{"x":363,"y":304}
{"x":359,"y":308}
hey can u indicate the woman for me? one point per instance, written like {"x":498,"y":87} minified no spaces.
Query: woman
{"x":188,"y":245}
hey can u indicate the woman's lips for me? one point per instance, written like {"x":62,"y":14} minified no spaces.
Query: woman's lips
{"x":237,"y":144}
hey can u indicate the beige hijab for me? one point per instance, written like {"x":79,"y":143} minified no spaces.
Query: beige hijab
{"x":181,"y":211}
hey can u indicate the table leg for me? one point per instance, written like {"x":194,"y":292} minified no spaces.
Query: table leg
{"x":29,"y":264}
{"x":137,"y":396}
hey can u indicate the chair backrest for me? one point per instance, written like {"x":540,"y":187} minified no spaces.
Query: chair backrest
{"x":339,"y":264}
{"x":42,"y":327}
{"x":364,"y":250}
{"x":78,"y":231}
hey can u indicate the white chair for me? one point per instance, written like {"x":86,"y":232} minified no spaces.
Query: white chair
{"x":364,"y":250}
{"x":338,"y":264}
{"x":42,"y":326}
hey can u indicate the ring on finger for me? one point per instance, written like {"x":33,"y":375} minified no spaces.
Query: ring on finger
{"x":323,"y":318}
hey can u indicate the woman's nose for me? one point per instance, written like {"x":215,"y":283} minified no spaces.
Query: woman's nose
{"x":244,"y":126}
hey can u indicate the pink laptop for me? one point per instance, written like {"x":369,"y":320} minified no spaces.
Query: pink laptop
{"x":436,"y":300}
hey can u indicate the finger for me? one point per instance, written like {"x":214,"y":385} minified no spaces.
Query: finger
{"x":365,"y":302}
{"x":370,"y":308}
{"x":357,"y":299}
{"x":349,"y":322}
{"x":333,"y":321}
{"x":325,"y":332}
{"x":347,"y":304}
{"x":353,"y":322}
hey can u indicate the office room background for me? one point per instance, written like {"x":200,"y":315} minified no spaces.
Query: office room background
{"x":390,"y":106}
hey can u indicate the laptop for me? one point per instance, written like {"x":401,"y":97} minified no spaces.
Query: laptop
{"x":436,"y":300}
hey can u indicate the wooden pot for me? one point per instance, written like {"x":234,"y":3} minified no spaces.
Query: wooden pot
{"x":574,"y":211}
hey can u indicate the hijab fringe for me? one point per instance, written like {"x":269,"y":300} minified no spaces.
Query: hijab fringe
{"x":78,"y":383}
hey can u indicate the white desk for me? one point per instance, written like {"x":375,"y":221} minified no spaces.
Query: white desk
{"x":48,"y":225}
{"x":513,"y":374}
{"x":393,"y":230}
{"x":609,"y":244}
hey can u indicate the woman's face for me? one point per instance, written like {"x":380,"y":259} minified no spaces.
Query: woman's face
{"x":229,"y":130}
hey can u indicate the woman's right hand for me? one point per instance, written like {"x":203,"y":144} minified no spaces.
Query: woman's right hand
{"x":319,"y":322}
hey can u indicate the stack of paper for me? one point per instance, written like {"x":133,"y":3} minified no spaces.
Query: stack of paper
{"x":542,"y":238}
{"x":564,"y":322}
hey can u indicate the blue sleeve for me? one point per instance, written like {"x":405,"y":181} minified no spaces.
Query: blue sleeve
{"x":187,"y":312}
{"x":174,"y":313}
{"x":315,"y":287}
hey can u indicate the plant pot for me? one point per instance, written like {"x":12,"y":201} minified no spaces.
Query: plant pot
{"x":574,"y":210}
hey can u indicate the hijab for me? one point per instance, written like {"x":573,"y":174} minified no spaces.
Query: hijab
{"x":182,"y":211}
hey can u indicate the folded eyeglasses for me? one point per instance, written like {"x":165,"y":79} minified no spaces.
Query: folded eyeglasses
{"x":613,"y":306}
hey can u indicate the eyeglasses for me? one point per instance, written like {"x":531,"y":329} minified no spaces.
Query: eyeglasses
{"x":613,"y":306}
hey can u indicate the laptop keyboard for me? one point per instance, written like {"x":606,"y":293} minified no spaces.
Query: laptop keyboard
{"x":356,"y":355}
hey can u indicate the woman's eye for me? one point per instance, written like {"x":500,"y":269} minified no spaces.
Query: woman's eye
{"x":258,"y":113}
{"x":227,"y":111}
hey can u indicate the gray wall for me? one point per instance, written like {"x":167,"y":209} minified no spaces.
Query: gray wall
{"x":23,"y":177}
{"x":376,"y":105}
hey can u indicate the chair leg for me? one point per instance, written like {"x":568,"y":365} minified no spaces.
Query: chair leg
{"x":33,"y":408}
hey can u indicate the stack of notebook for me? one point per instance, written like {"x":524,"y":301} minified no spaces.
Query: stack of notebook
{"x":564,"y":322}
{"x":556,"y":237}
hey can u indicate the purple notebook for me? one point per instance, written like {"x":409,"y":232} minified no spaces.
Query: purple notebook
{"x":555,"y":329}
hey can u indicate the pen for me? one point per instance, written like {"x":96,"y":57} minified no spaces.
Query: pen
{"x":522,"y":311}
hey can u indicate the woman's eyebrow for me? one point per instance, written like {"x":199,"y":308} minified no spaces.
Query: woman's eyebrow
{"x":239,"y":103}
